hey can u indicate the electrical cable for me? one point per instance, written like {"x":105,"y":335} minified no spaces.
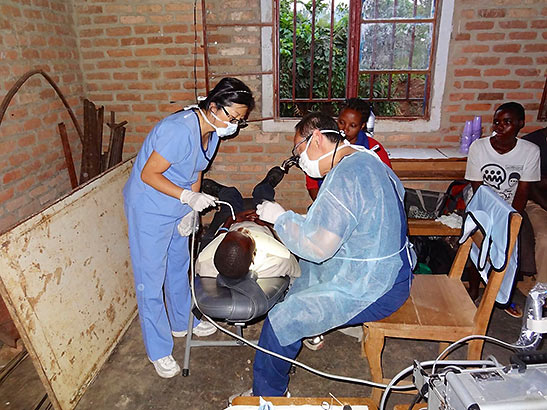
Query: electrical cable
{"x":392,"y":384}
{"x":229,"y":205}
{"x":487,"y":338}
{"x":256,"y":347}
{"x":417,"y":398}
{"x":196,"y":50}
{"x":402,"y":374}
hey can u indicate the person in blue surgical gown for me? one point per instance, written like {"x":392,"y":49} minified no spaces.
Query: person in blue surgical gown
{"x":352,"y":244}
{"x":163,"y":188}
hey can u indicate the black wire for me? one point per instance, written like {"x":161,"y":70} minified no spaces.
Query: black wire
{"x":196,"y":50}
{"x":417,"y":398}
{"x":334,"y":154}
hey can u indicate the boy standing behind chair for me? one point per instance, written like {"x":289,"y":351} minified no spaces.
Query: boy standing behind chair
{"x":508,"y":165}
{"x":352,"y":119}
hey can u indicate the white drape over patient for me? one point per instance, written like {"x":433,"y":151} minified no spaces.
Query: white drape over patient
{"x":351,"y":243}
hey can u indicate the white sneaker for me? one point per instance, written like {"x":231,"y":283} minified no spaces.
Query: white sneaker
{"x":166,"y":367}
{"x":204,"y":329}
{"x":314,"y":343}
{"x":201,"y":330}
{"x":249,"y":393}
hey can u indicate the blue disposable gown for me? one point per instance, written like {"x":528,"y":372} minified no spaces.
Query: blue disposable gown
{"x":352,"y":244}
{"x":159,"y":255}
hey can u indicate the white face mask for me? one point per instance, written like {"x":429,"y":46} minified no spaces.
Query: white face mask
{"x":222,"y":132}
{"x":311,"y":166}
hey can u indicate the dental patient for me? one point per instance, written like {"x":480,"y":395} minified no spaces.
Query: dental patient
{"x":235,"y":247}
{"x":244,"y":245}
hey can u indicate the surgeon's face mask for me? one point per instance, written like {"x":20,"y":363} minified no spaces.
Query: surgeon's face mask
{"x":222,"y":132}
{"x":311,"y":166}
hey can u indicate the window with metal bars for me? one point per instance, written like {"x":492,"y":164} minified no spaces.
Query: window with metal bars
{"x":378,"y":50}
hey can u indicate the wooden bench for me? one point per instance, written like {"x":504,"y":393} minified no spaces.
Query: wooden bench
{"x":430,"y":227}
{"x":440,"y":164}
{"x":302,"y":401}
{"x":428,"y":164}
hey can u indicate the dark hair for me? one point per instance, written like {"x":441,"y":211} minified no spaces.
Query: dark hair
{"x":360,"y":106}
{"x":318,"y":121}
{"x":514,"y":107}
{"x":229,"y":91}
{"x":234,"y":255}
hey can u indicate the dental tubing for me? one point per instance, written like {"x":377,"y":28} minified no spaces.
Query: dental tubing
{"x":524,"y":344}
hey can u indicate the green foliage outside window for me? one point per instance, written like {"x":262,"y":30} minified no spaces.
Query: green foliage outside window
{"x":303,"y":55}
{"x":384,"y":49}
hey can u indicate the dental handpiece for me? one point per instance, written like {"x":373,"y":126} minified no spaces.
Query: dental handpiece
{"x":229,"y":205}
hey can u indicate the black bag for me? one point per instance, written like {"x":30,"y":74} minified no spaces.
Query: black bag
{"x":424,"y":204}
{"x":435,"y":252}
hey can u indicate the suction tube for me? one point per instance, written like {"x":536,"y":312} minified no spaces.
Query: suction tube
{"x":532,"y":319}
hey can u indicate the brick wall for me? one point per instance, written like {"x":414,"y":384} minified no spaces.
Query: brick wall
{"x":36,"y":34}
{"x":498,"y":53}
{"x":137,"y":58}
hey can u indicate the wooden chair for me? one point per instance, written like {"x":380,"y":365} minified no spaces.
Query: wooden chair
{"x":439,"y":308}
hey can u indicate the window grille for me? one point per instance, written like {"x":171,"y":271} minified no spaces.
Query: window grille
{"x":378,"y":50}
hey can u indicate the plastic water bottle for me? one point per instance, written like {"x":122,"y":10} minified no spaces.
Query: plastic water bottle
{"x":465,"y":140}
{"x":476,"y":129}
{"x":370,"y":124}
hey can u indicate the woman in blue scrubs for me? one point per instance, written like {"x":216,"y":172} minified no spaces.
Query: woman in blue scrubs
{"x":162,"y":188}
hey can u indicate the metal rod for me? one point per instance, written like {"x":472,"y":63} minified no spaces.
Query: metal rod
{"x":68,"y":155}
{"x":341,"y":99}
{"x":205,"y":45}
{"x":21,"y":81}
{"x":352,"y":73}
{"x":294,"y":50}
{"x":213,"y":75}
{"x":259,"y":24}
{"x":398,"y":20}
{"x":331,"y":49}
{"x":312,"y":46}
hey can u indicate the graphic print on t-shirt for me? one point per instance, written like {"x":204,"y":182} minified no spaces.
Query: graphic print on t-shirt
{"x":493,"y":175}
{"x":496,"y":176}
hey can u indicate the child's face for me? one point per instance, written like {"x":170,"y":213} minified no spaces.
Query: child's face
{"x":506,"y":124}
{"x":350,"y":122}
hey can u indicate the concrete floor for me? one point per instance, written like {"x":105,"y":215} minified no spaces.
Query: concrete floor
{"x":128,"y":380}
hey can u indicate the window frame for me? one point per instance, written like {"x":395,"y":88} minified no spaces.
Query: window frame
{"x":354,"y":71}
{"x":439,"y":55}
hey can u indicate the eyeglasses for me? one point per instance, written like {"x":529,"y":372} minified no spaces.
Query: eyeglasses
{"x":294,"y":152}
{"x":242,"y":123}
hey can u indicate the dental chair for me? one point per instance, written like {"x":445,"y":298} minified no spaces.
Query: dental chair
{"x":236,"y":302}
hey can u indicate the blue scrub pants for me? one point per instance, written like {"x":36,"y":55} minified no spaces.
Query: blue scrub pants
{"x":160,"y":259}
{"x":271,"y":375}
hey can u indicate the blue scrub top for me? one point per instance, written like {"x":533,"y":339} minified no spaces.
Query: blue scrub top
{"x":177,"y":138}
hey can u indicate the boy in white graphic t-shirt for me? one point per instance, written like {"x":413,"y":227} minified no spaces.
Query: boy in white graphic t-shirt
{"x":508,"y":165}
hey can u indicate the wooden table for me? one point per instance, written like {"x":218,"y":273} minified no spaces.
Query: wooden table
{"x":288,"y":401}
{"x":420,"y":406}
{"x":440,"y":164}
{"x":430,"y":227}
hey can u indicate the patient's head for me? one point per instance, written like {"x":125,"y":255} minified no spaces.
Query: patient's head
{"x":234,"y":255}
